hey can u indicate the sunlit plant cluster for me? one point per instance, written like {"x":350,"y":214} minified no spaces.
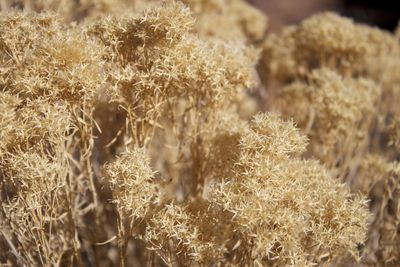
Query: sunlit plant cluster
{"x":183,"y":133}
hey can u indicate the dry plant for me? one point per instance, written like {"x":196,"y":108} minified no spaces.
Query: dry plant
{"x":340,"y":81}
{"x":381,"y":181}
{"x":128,"y":137}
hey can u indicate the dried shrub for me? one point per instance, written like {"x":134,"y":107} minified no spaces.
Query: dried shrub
{"x":380,"y":180}
{"x":335,"y":112}
{"x":339,"y":80}
{"x":126,"y":140}
{"x":289,"y":211}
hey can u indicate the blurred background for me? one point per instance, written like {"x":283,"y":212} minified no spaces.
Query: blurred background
{"x":382,"y":13}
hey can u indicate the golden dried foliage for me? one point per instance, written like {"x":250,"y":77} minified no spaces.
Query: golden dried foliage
{"x":125,"y":137}
{"x":290,"y":210}
{"x":339,"y":80}
{"x":131,"y":180}
{"x":48,"y":78}
{"x":326,"y":40}
{"x":235,"y":19}
{"x":336,"y":112}
{"x":381,"y":181}
{"x":259,"y":212}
